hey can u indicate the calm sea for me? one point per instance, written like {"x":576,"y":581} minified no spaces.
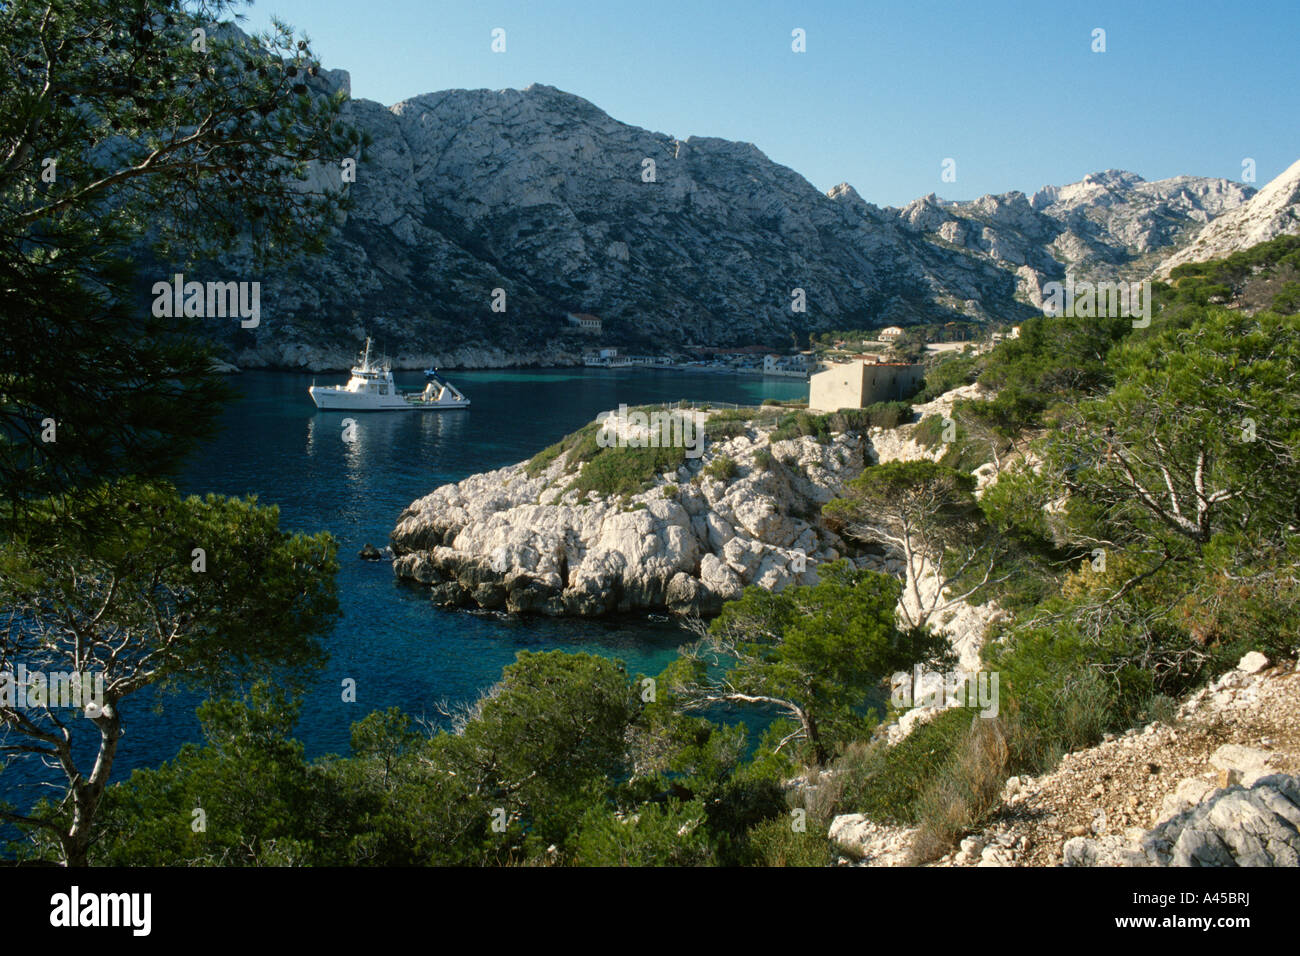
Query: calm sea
{"x":399,"y":648}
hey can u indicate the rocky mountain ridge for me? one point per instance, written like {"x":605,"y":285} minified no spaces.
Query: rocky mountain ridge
{"x":543,"y":196}
{"x":1109,"y":225}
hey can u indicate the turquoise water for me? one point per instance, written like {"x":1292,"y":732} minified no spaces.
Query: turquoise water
{"x":400,"y":649}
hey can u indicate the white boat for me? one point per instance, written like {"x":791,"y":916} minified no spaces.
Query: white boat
{"x":371,"y":389}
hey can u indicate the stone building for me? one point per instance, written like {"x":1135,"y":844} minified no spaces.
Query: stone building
{"x":860,"y":383}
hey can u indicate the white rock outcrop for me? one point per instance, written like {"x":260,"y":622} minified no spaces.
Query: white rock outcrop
{"x":1272,"y":212}
{"x":1234,"y":826}
{"x":871,"y":844}
{"x":508,"y":540}
{"x":504,"y":540}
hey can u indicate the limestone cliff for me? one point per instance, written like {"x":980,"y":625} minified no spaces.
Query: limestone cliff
{"x":671,"y":241}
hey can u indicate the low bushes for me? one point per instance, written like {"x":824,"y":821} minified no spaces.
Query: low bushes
{"x":964,"y":792}
{"x":722,"y":468}
{"x":946,"y":777}
{"x":722,"y":430}
{"x":626,"y":471}
{"x":960,"y":452}
{"x":609,"y":469}
{"x":945,"y":375}
{"x":885,"y":783}
{"x":583,"y":440}
{"x":877,"y":415}
{"x":777,"y":843}
{"x":797,"y":424}
{"x":822,"y":427}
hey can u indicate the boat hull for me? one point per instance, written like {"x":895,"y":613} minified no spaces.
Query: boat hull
{"x":340,"y":400}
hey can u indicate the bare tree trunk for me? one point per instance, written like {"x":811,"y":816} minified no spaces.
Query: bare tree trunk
{"x":86,"y":794}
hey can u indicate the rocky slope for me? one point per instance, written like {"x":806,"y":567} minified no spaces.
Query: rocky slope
{"x":1219,"y":785}
{"x":540,"y":194}
{"x":1110,"y":225}
{"x":1272,"y":212}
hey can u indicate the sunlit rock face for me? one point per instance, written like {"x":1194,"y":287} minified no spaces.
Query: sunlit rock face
{"x":539,"y":194}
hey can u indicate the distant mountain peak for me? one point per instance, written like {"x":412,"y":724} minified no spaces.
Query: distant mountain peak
{"x":1271,"y":212}
{"x":1113,"y":177}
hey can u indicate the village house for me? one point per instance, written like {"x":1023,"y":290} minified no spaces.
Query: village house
{"x":889,"y":334}
{"x":584,"y":321}
{"x":791,"y":365}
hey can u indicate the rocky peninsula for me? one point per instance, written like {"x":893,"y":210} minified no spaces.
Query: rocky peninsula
{"x":541,"y":537}
{"x":520,"y":541}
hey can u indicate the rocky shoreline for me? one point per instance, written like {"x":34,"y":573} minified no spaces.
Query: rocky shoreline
{"x":521,"y":539}
{"x":505,"y":540}
{"x":299,"y":357}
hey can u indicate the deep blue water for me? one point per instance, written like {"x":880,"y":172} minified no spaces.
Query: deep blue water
{"x":401,"y":650}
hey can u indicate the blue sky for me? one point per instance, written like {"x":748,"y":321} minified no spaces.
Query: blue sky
{"x":885,"y":92}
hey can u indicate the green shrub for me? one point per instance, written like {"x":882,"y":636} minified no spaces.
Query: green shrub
{"x":672,"y":834}
{"x":737,"y":806}
{"x":614,"y":470}
{"x":928,"y":431}
{"x":885,"y":782}
{"x":959,"y":798}
{"x":960,"y":454}
{"x":542,"y":460}
{"x":722,"y":430}
{"x":764,"y":460}
{"x":578,"y":446}
{"x":736,"y":414}
{"x":1162,"y":708}
{"x":822,"y":427}
{"x":626,"y":471}
{"x":776,"y":843}
{"x":1287,"y":300}
{"x":1067,"y":690}
{"x":722,"y":468}
{"x":947,"y":374}
{"x":882,"y":414}
{"x":670,"y":491}
{"x":797,"y":424}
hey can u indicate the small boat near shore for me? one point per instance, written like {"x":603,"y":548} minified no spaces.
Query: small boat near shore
{"x":372,"y":389}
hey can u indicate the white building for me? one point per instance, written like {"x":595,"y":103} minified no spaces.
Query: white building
{"x":795,"y":366}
